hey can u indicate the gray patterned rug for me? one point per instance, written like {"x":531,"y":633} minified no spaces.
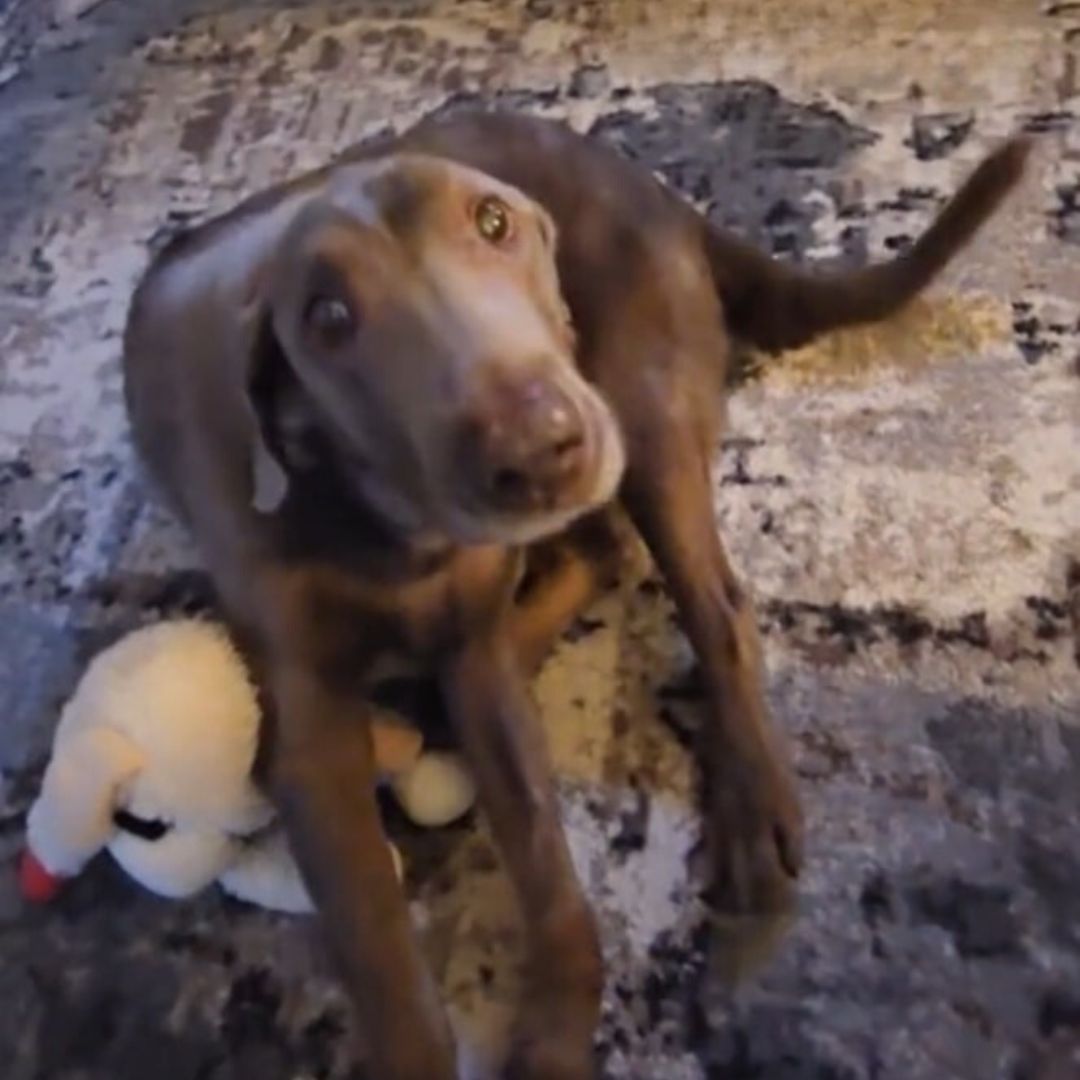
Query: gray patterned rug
{"x":905,"y":503}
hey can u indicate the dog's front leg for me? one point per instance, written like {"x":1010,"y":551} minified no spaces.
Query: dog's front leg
{"x":753,"y":815}
{"x":321,"y":772}
{"x":488,"y":699}
{"x":753,"y":818}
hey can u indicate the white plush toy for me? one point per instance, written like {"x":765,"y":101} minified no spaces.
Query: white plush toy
{"x":152,"y":760}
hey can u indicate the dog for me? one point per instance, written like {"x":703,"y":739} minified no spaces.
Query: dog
{"x":397,"y":402}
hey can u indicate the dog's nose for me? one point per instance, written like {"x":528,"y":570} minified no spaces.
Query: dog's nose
{"x":526,"y":446}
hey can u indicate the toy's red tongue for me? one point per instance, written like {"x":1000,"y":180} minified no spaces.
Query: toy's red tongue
{"x":36,"y":883}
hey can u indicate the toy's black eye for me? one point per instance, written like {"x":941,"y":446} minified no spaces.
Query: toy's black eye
{"x":493,"y":220}
{"x":331,"y":318}
{"x":143,"y":828}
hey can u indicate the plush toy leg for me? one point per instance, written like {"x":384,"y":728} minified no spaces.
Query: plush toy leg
{"x":437,"y":790}
{"x":266,"y":874}
{"x":396,"y":740}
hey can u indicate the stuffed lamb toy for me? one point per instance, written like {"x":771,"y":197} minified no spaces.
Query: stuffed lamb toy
{"x":152,"y":761}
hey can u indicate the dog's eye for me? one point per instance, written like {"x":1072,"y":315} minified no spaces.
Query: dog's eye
{"x":492,"y":217}
{"x":330,"y":317}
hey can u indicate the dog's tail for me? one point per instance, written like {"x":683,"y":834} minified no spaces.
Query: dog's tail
{"x":776,"y":306}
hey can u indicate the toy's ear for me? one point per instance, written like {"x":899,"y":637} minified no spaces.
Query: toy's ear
{"x":265,"y":873}
{"x":72,"y":819}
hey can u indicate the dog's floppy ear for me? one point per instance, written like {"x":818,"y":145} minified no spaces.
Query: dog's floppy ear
{"x":266,"y":361}
{"x":548,"y":229}
{"x":262,"y":366}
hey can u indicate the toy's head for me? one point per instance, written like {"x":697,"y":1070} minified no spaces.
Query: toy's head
{"x":152,"y":759}
{"x":169,"y":860}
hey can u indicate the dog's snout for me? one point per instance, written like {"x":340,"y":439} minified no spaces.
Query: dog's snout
{"x":526,"y":446}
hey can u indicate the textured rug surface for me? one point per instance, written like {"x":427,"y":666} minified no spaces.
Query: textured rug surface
{"x":904,"y":502}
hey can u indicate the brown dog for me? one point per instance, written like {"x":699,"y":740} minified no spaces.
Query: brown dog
{"x":373,"y":394}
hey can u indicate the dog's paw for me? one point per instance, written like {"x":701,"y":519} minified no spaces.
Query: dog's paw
{"x":554,"y":1037}
{"x":755,"y":839}
{"x":755,"y":834}
{"x":551,"y":1059}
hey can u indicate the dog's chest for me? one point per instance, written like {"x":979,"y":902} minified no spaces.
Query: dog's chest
{"x":442,"y":611}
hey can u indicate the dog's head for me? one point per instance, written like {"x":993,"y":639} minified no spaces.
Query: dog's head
{"x":417,"y":305}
